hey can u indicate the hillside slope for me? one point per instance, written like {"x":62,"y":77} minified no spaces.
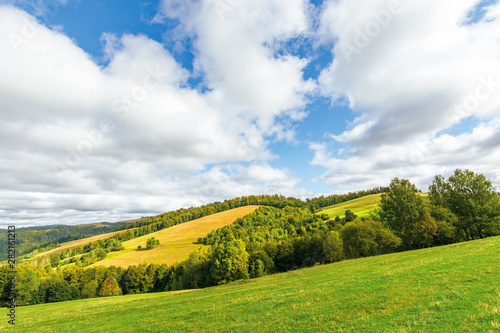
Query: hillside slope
{"x":77,"y":242}
{"x":445,"y":289}
{"x":176,"y":243}
{"x":360,"y":206}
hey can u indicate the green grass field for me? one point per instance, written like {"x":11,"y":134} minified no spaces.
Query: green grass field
{"x":361,"y":206}
{"x":446,"y":289}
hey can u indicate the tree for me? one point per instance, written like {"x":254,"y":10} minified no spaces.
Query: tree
{"x":152,"y":243}
{"x":110,"y":288}
{"x":350,"y":216}
{"x":405,"y":213}
{"x":54,"y":259}
{"x":367,"y":238}
{"x":333,"y":247}
{"x":229,"y":262}
{"x":89,"y":289}
{"x":27,"y":284}
{"x":57,"y":290}
{"x":472,"y":198}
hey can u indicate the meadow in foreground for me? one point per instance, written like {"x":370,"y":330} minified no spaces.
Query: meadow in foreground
{"x":452,"y":288}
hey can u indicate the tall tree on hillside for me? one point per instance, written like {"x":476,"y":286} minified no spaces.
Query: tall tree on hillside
{"x":404,"y":212}
{"x":472,"y":198}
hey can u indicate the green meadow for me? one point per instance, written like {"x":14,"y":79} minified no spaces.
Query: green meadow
{"x":361,"y":206}
{"x":452,"y":288}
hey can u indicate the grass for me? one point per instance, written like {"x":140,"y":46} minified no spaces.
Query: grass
{"x":360,"y":206}
{"x":446,"y":289}
{"x":176,"y":243}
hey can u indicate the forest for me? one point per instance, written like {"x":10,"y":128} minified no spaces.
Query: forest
{"x":284,"y":234}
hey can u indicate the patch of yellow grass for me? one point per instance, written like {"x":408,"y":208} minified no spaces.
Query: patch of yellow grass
{"x":176,"y":243}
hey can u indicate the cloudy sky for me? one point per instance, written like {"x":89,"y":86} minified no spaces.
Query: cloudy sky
{"x":119,"y":109}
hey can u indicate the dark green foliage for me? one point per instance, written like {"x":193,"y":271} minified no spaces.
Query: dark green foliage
{"x":196,"y":271}
{"x":367,"y":238}
{"x":349,"y":216}
{"x":333,"y":247}
{"x":54,"y":260}
{"x":404,"y":212}
{"x":54,"y":289}
{"x":229,"y":262}
{"x":472,"y":199}
{"x":152,"y":242}
{"x":89,"y":290}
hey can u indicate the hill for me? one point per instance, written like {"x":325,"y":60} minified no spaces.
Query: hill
{"x":77,"y":242}
{"x":360,"y":206}
{"x":176,"y":243}
{"x":43,"y":238}
{"x":443,"y":289}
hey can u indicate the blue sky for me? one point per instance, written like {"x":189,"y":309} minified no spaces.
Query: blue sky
{"x":139,"y":107}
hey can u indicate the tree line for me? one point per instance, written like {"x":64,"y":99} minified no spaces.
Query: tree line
{"x":277,"y":239}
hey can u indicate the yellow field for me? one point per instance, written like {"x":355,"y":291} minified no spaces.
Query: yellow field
{"x":176,"y":243}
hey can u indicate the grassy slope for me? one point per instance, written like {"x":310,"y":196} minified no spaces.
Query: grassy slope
{"x":361,"y":206}
{"x":447,"y":289}
{"x":176,"y":243}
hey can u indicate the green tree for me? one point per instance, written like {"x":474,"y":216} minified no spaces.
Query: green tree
{"x":54,"y":259}
{"x":367,"y":238}
{"x":333,"y":247}
{"x":27,"y":285}
{"x":89,"y":289}
{"x":229,"y":262}
{"x":152,"y":243}
{"x":350,"y":216}
{"x":405,"y":213}
{"x":472,"y":198}
{"x":55,"y":289}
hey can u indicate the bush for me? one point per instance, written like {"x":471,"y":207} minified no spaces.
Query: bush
{"x":367,"y":238}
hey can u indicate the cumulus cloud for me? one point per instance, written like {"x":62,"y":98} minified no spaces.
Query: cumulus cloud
{"x":82,"y":143}
{"x":410,"y":70}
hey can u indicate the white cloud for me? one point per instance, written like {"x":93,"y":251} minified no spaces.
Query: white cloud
{"x":410,"y":75}
{"x":82,"y":143}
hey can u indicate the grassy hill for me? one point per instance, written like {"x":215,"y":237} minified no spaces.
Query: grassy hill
{"x":361,"y":206}
{"x":176,"y":243}
{"x":444,"y":289}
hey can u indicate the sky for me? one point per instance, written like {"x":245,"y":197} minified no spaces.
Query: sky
{"x":112,"y":110}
